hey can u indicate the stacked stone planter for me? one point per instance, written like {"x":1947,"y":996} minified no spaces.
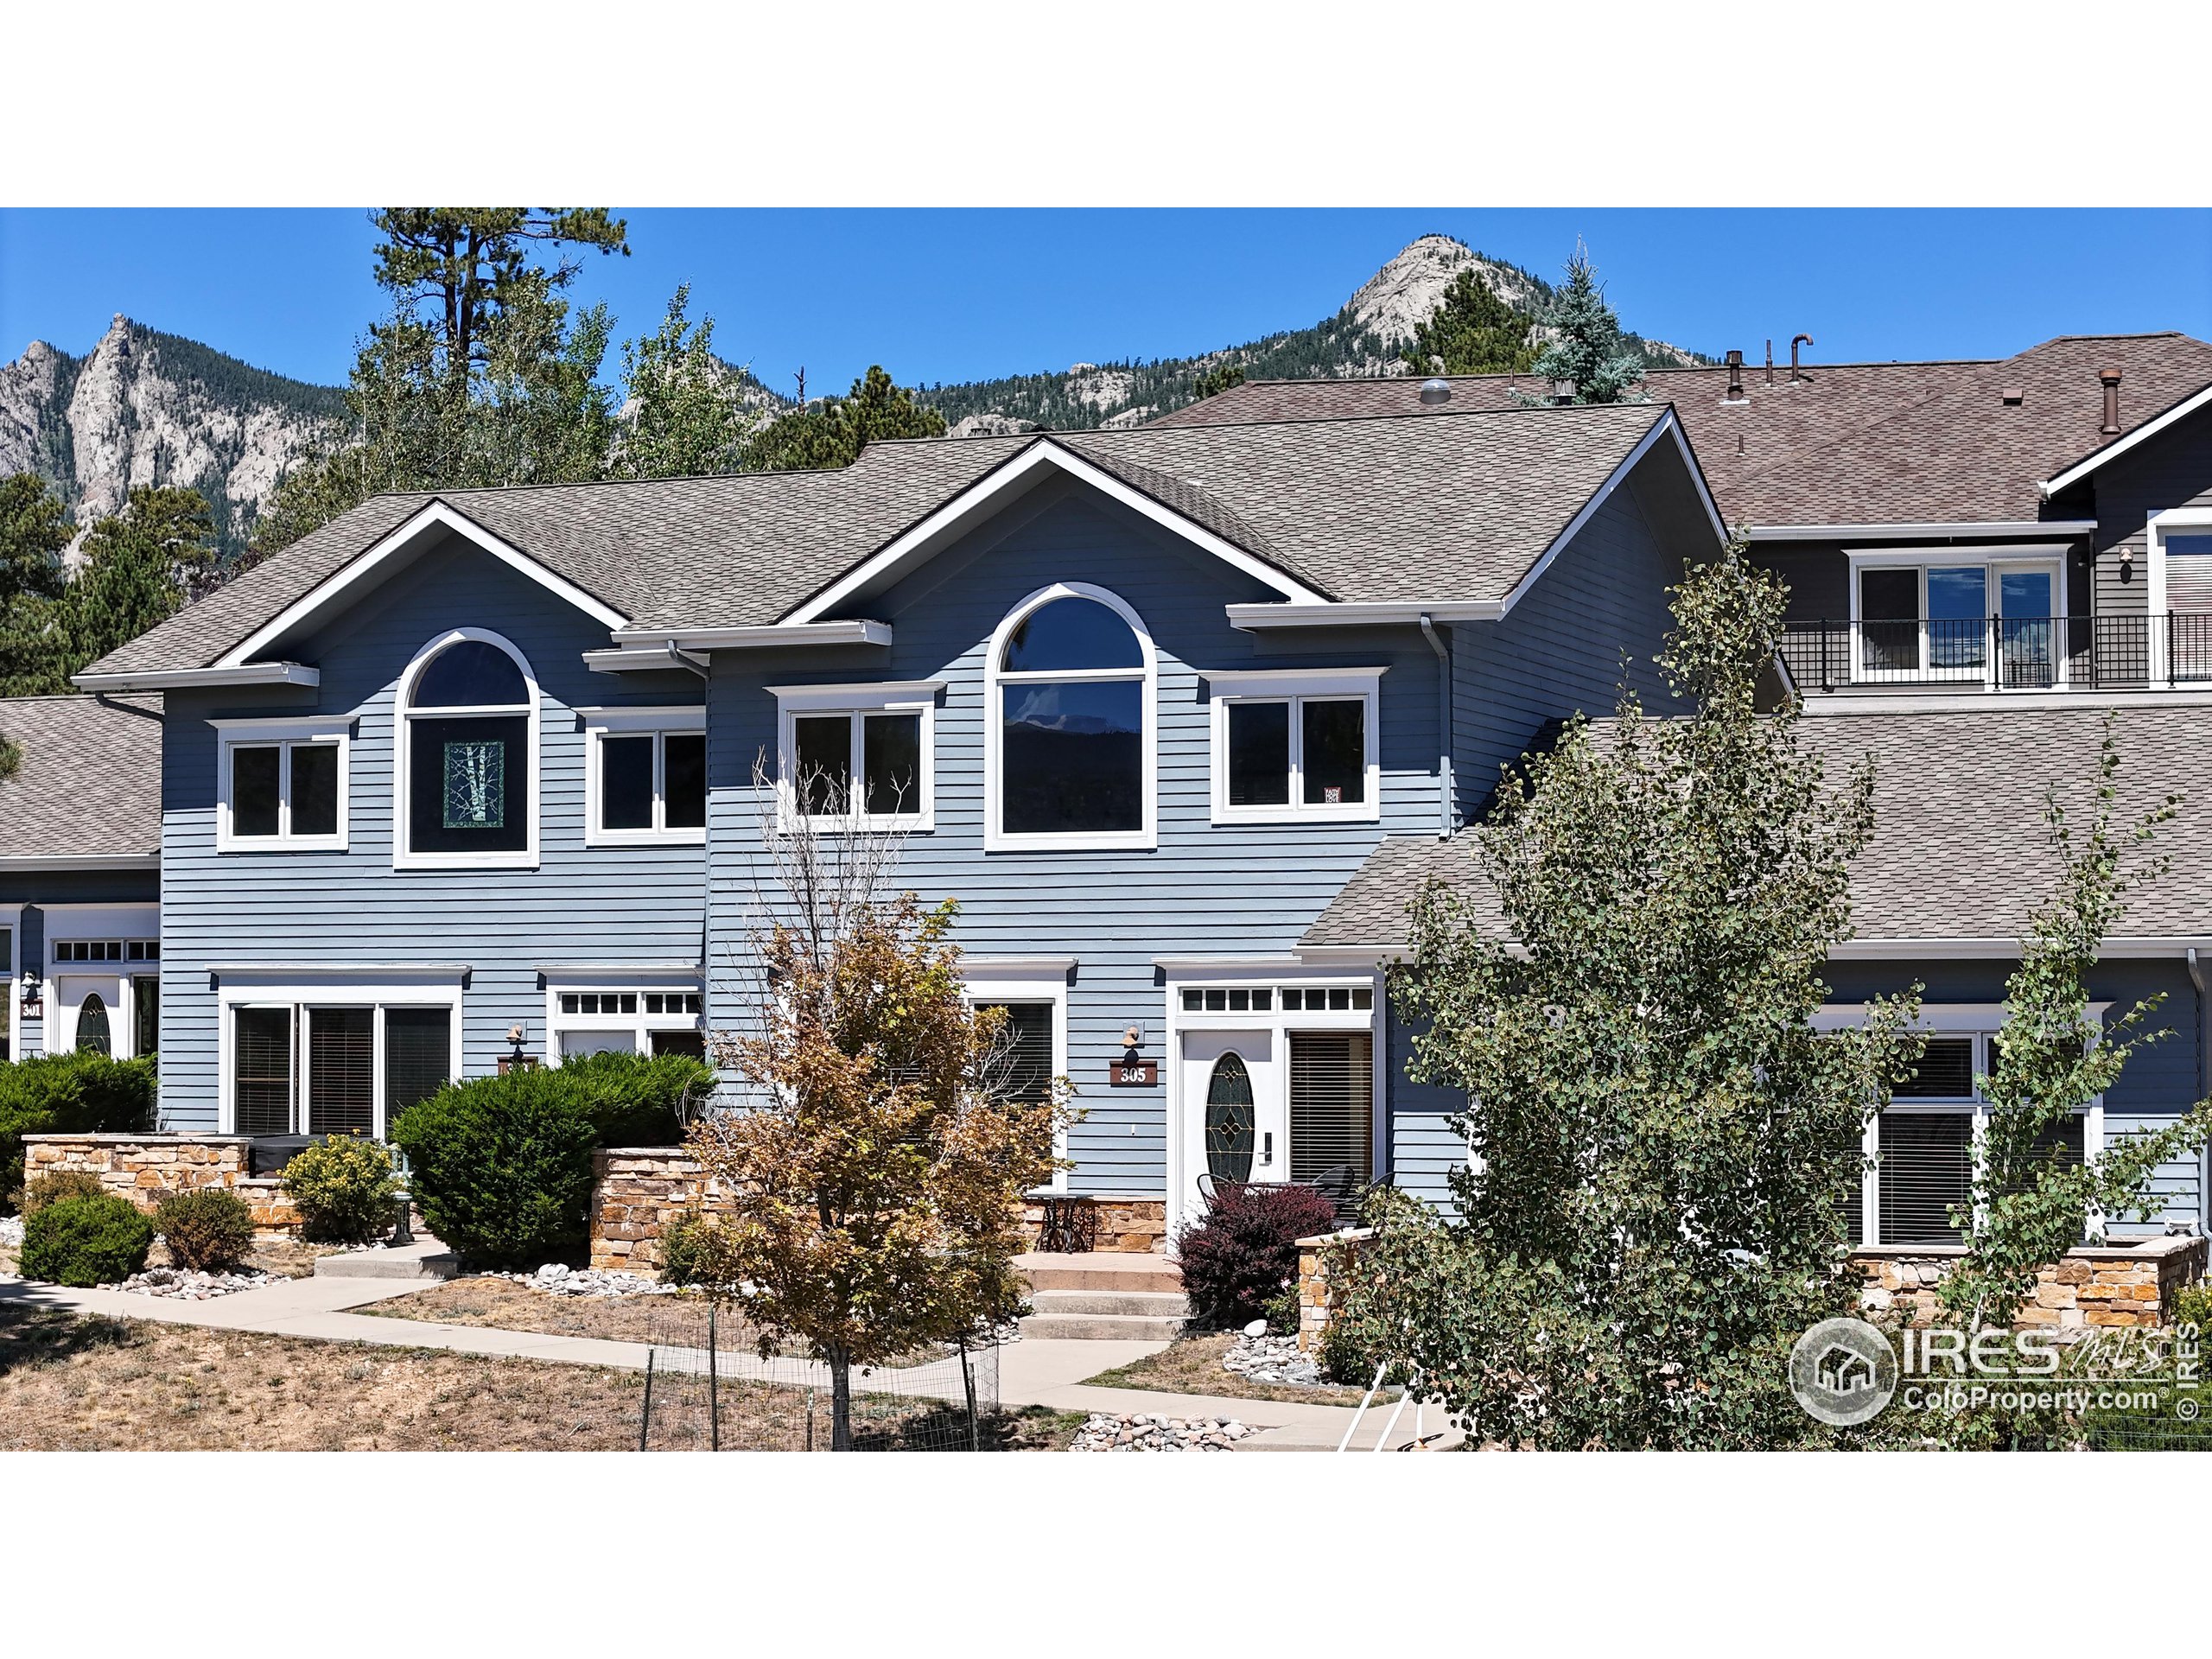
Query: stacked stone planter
{"x":2114,"y":1287}
{"x":145,"y":1167}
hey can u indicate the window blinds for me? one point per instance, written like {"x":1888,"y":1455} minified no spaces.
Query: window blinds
{"x":1333,"y":1111}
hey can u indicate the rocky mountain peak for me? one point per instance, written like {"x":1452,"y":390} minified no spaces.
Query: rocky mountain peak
{"x":1399,"y":298}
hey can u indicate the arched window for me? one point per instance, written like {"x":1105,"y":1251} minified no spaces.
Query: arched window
{"x":1069,"y":688}
{"x":468,"y":750}
{"x":93,"y":1036}
{"x":1230,"y":1119}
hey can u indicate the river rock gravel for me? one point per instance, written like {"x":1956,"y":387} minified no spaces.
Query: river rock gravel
{"x":1126,"y":1430}
{"x":1272,"y":1359}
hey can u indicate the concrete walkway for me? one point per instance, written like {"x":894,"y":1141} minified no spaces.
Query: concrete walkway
{"x":1040,"y":1372}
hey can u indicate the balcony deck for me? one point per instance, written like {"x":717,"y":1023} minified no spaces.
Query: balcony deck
{"x":2144,"y":651}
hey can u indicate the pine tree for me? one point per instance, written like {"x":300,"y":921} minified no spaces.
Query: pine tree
{"x":1586,"y":349}
{"x":833,"y":433}
{"x":1215,"y":380}
{"x":1472,"y":331}
{"x":34,"y":527}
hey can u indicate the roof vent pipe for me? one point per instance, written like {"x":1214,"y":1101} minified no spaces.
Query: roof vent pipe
{"x":1735,"y":376}
{"x":1434,"y":392}
{"x":1769,"y":360}
{"x":1796,"y":340}
{"x":2111,"y":378}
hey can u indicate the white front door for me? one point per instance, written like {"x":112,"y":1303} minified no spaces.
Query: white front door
{"x":90,"y":1011}
{"x":1235,"y":1121}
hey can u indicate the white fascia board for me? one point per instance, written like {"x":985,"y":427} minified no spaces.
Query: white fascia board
{"x":752,"y":636}
{"x":2049,"y":530}
{"x":1350,"y":955}
{"x":81,"y":862}
{"x":360,"y":571}
{"x":620,"y":973}
{"x":982,"y":969}
{"x":1361,"y":614}
{"x":365,"y":972}
{"x":1864,"y":949}
{"x":1013,"y":477}
{"x":186,"y":679}
{"x":1666,"y":427}
{"x":2119,"y":446}
{"x":636,"y":659}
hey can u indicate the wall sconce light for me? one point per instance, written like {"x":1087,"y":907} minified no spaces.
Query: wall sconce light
{"x":2127,"y":565}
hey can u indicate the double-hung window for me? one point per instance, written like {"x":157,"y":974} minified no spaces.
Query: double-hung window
{"x":1295,"y":744}
{"x":1032,"y":1043}
{"x":858,"y":756}
{"x":1925,"y":1144}
{"x":648,"y":778}
{"x":281,"y":785}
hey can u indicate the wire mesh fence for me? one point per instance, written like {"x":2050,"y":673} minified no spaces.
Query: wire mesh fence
{"x":707,"y":1389}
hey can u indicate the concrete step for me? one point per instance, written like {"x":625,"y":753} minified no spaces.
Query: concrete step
{"x":1155,"y":1303}
{"x":1099,"y":1270}
{"x":425,"y":1259}
{"x":1102,"y":1327}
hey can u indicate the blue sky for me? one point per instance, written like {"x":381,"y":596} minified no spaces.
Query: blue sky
{"x":938,"y":295}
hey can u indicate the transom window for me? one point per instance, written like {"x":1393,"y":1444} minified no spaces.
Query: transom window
{"x":468,"y":725}
{"x":283,"y":786}
{"x":649,"y":776}
{"x":626,"y":1021}
{"x":1070,"y":734}
{"x":107,"y":949}
{"x":1308,"y":999}
{"x":1298,"y":744}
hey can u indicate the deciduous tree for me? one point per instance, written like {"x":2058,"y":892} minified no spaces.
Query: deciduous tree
{"x":684,"y":414}
{"x":877,"y":1168}
{"x":1661,"y":1146}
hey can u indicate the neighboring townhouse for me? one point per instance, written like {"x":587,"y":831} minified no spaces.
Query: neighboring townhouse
{"x":1983,"y":559}
{"x":464,"y":776}
{"x":80,"y":839}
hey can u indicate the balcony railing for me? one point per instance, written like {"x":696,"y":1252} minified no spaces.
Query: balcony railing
{"x":2003,"y":653}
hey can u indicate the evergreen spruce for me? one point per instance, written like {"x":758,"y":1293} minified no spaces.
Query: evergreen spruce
{"x":833,"y":433}
{"x":1587,"y":351}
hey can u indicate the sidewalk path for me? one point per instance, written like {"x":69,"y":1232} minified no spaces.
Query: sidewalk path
{"x":1039,"y":1372}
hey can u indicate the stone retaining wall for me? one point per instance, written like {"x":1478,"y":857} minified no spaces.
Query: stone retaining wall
{"x":638,"y":1192}
{"x":2108,"y":1286}
{"x":1314,"y":1281}
{"x":143,"y":1167}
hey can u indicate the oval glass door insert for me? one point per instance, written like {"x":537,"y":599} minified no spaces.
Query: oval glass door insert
{"x":1229,"y":1120}
{"x":91,"y":1027}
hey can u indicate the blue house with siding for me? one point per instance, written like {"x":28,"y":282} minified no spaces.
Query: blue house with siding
{"x":1181,"y":716}
{"x":466,"y":775}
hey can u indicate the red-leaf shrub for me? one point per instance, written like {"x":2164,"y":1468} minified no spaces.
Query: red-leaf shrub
{"x":1243,"y":1252}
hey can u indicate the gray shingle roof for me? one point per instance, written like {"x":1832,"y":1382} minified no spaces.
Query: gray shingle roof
{"x":91,"y":779}
{"x":1454,"y":508}
{"x":1851,"y":442}
{"x":1959,"y":850}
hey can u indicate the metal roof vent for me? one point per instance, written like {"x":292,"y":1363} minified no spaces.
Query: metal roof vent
{"x":2013,"y":395}
{"x":1436,"y":392}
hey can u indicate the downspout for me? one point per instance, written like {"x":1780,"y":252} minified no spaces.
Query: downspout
{"x":2203,"y":1074}
{"x":1443,"y":726}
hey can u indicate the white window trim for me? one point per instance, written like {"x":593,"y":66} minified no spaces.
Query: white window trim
{"x":11,"y":974}
{"x":288,"y":733}
{"x":2187,"y":521}
{"x":1993,"y":560}
{"x":403,"y":715}
{"x":1981,"y":1021}
{"x":301,"y":999}
{"x":599,"y":724}
{"x":1228,"y":974}
{"x":883,"y":698}
{"x":1041,"y":982}
{"x":1296,"y":687}
{"x":639,"y":1026}
{"x":997,"y":840}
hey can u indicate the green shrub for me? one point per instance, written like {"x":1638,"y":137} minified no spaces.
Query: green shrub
{"x":2194,"y":1306}
{"x":208,"y":1229}
{"x":345,"y":1191}
{"x":684,"y":1249}
{"x":87,"y":1242}
{"x":61,"y":1184}
{"x":502,"y":1165}
{"x":69,"y":1094}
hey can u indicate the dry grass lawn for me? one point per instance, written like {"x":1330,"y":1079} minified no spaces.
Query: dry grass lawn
{"x":505,"y":1305}
{"x":92,"y":1384}
{"x":1193,"y":1365}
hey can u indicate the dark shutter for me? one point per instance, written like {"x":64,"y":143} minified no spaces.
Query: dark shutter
{"x":341,"y":1071}
{"x":417,"y":1057}
{"x":261,"y":1071}
{"x":1332,"y":1112}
